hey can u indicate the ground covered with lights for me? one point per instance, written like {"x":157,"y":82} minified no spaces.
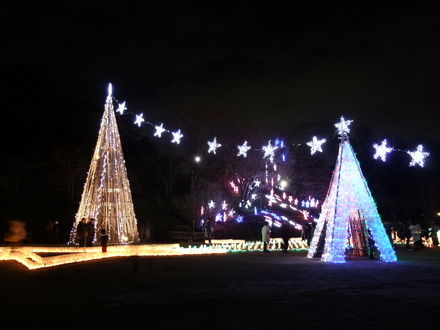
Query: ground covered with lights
{"x":233,"y":290}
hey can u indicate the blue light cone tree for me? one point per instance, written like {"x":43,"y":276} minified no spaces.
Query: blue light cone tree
{"x":348,"y":214}
{"x":107,"y":196}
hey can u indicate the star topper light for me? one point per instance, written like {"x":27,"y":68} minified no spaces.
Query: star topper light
{"x":315,"y":145}
{"x":342,"y":126}
{"x":382,"y":150}
{"x":418,"y":156}
{"x":213,"y":146}
{"x":243,"y":149}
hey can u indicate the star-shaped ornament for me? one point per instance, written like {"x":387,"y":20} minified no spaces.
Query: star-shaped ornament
{"x":211,"y":204}
{"x":213,"y":146}
{"x":159,"y":130}
{"x":418,"y":156}
{"x":269,"y":150}
{"x":382,"y":150}
{"x":176,"y":137}
{"x":121,"y":108}
{"x":315,"y":145}
{"x":342,"y":126}
{"x":243,"y":149}
{"x":139,"y":119}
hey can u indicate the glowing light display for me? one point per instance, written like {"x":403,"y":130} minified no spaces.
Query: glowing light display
{"x":121,"y":108}
{"x":243,"y":149}
{"x":159,"y":130}
{"x":382,"y":150}
{"x":269,"y":151}
{"x":342,"y":126}
{"x":176,"y":137}
{"x":139,"y":119}
{"x":315,"y":145}
{"x":418,"y":156}
{"x":213,"y":146}
{"x":106,"y":196}
{"x":348,"y":204}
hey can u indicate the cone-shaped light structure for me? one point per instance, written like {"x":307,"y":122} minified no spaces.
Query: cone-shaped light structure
{"x":348,"y":215}
{"x":107,"y":196}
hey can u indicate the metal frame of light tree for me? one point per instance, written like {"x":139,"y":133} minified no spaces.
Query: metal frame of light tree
{"x":348,"y":193}
{"x":107,"y":196}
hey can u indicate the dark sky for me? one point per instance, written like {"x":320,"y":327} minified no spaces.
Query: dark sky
{"x":296,"y":67}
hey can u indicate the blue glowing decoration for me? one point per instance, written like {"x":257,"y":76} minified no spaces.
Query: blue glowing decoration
{"x":348,"y":203}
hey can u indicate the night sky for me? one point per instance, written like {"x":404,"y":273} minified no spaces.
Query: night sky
{"x":297,"y":68}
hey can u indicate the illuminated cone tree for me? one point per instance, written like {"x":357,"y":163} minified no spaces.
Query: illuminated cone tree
{"x":348,"y":215}
{"x":107,"y":196}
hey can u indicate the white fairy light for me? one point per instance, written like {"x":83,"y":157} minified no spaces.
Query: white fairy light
{"x":315,"y":145}
{"x":110,"y":89}
{"x":224,"y":205}
{"x":159,"y":130}
{"x":382,"y":150}
{"x":121,"y":108}
{"x":342,"y":126}
{"x":139,"y":119}
{"x":176,"y":137}
{"x":243,"y":149}
{"x":211,"y":204}
{"x":418,"y":156}
{"x":213,"y":146}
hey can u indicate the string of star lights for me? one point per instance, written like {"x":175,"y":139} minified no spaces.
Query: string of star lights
{"x":348,"y":215}
{"x":417,"y":156}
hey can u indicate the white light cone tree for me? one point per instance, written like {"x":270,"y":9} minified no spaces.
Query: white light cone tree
{"x":349,"y":214}
{"x":107,"y":196}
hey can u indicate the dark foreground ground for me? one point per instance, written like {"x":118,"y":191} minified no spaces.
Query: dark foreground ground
{"x":245,"y":290}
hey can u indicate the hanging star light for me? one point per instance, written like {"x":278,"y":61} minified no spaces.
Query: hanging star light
{"x":382,"y":150}
{"x":213,"y":146}
{"x":269,"y":150}
{"x":176,"y":137}
{"x":342,"y":126}
{"x":159,"y":130}
{"x":121,"y":108}
{"x":418,"y":156}
{"x":139,"y":119}
{"x":243,"y":149}
{"x":211,"y":204}
{"x":315,"y":145}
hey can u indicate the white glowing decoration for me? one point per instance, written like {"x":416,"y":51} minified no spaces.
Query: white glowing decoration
{"x":418,"y":156}
{"x":176,"y":137}
{"x":348,"y":203}
{"x":315,"y":145}
{"x":257,"y":183}
{"x":106,"y":195}
{"x":213,"y":146}
{"x":121,"y":108}
{"x":139,"y":119}
{"x":342,"y":126}
{"x":382,"y":150}
{"x":159,"y":130}
{"x":211,"y":204}
{"x":269,"y":151}
{"x":243,"y":149}
{"x":224,"y":205}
